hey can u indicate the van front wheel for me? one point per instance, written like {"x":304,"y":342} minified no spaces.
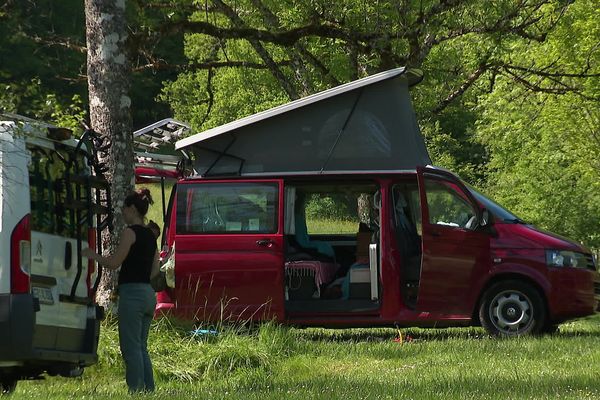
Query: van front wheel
{"x":7,"y":385}
{"x":512,"y":308}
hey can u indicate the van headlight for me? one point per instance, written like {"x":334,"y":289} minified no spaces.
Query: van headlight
{"x":563,"y":258}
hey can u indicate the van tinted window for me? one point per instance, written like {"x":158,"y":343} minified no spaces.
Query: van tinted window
{"x":227,"y":208}
{"x":57,"y":196}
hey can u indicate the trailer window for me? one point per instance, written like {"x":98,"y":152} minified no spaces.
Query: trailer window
{"x":227,"y":208}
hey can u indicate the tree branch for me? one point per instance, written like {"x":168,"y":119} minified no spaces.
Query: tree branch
{"x":284,"y":38}
{"x":471,"y":79}
{"x":211,"y":96}
{"x":260,"y":50}
{"x":298,"y":66}
{"x":57,"y":41}
{"x":160,"y":65}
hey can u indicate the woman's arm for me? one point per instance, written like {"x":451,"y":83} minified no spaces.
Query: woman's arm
{"x":114,"y":260}
{"x":155,"y":265}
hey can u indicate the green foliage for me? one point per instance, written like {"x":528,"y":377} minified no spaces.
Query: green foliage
{"x":544,"y":148}
{"x":526,"y":138}
{"x":338,"y":207}
{"x":37,"y":72}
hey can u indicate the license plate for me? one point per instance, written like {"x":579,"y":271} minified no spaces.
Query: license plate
{"x":43,"y":294}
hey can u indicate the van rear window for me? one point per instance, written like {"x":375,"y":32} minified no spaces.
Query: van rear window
{"x":57,"y":196}
{"x":227,"y":208}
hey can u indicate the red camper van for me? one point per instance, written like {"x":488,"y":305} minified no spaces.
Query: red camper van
{"x":324,"y":212}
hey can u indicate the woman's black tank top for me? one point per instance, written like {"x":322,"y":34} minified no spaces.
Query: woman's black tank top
{"x":138,"y":264}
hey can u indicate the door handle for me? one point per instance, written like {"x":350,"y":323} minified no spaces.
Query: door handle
{"x":264,"y":242}
{"x":435,"y":234}
{"x":68,"y":252}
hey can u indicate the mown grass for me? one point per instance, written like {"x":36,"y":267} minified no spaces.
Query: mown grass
{"x":273,"y":362}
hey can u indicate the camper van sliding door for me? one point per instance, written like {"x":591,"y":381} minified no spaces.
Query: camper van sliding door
{"x":229,"y":250}
{"x":454,"y":249}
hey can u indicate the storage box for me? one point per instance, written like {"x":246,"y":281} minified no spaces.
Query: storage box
{"x":363,"y":239}
{"x":360,"y":274}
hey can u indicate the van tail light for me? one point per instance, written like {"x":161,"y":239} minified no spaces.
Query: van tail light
{"x":20,"y":257}
{"x":91,"y":271}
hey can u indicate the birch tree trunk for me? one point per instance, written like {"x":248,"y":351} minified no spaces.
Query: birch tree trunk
{"x":110,"y":111}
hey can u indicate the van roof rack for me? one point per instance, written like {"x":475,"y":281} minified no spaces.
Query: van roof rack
{"x":155,"y":144}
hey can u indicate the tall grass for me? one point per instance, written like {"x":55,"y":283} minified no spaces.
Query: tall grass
{"x":269,"y":361}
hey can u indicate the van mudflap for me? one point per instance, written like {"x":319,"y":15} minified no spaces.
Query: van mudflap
{"x":17,"y":320}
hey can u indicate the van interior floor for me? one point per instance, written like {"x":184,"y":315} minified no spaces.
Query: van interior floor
{"x":331,"y":306}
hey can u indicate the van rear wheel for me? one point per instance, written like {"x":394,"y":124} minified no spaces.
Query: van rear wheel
{"x":512,"y":308}
{"x":7,"y":385}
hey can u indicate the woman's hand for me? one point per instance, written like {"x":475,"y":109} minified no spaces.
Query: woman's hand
{"x":88,"y":253}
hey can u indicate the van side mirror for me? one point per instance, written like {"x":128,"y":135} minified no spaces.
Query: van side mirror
{"x":485,"y":218}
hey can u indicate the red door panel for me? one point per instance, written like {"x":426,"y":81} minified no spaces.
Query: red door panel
{"x":455,"y":251}
{"x":229,"y":250}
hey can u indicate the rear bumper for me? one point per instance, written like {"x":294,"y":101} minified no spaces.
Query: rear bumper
{"x":18,"y":338}
{"x":573,"y":294}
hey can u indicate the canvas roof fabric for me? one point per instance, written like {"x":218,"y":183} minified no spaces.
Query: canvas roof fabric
{"x":365,"y":125}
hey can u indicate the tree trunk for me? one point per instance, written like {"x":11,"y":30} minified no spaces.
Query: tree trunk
{"x":364,"y":208}
{"x":110,"y":111}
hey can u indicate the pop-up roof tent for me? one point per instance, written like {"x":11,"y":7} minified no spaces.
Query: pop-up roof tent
{"x":365,"y":125}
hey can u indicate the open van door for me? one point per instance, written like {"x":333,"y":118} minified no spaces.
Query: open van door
{"x":455,"y":248}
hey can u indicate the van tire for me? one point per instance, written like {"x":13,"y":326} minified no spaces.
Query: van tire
{"x":7,"y":385}
{"x":512,"y":308}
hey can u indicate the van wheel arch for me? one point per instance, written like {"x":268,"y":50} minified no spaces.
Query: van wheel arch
{"x":510,"y":277}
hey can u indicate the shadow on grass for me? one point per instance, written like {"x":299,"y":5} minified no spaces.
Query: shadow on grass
{"x":410,"y":385}
{"x":388,"y":334}
{"x":420,"y":334}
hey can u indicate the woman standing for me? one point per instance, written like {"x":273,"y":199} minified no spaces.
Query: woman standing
{"x":137,"y":255}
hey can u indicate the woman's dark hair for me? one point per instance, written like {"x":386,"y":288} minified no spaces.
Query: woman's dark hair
{"x":153,"y":226}
{"x":141,"y":199}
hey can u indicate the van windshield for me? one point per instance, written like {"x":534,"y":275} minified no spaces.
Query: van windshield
{"x":497,"y":210}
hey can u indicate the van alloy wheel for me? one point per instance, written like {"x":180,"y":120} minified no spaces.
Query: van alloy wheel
{"x":512,"y":308}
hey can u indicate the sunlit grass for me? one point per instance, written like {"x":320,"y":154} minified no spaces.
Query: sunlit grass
{"x":331,"y":227}
{"x":274,"y":362}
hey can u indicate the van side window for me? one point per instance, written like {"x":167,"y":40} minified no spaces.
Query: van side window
{"x":447,"y":207}
{"x":227,"y":208}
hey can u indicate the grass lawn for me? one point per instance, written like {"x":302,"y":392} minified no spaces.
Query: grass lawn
{"x":274,"y":362}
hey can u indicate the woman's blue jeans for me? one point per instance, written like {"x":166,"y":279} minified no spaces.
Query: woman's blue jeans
{"x":136,"y":310}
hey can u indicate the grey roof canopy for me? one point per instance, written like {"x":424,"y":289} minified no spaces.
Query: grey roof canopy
{"x":365,"y":125}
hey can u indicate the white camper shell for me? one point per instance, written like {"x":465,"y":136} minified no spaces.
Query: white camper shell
{"x":49,"y":322}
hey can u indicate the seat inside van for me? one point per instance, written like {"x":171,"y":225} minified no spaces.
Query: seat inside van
{"x":328,"y":231}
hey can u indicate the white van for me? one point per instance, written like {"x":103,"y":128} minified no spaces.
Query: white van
{"x":50,"y":208}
